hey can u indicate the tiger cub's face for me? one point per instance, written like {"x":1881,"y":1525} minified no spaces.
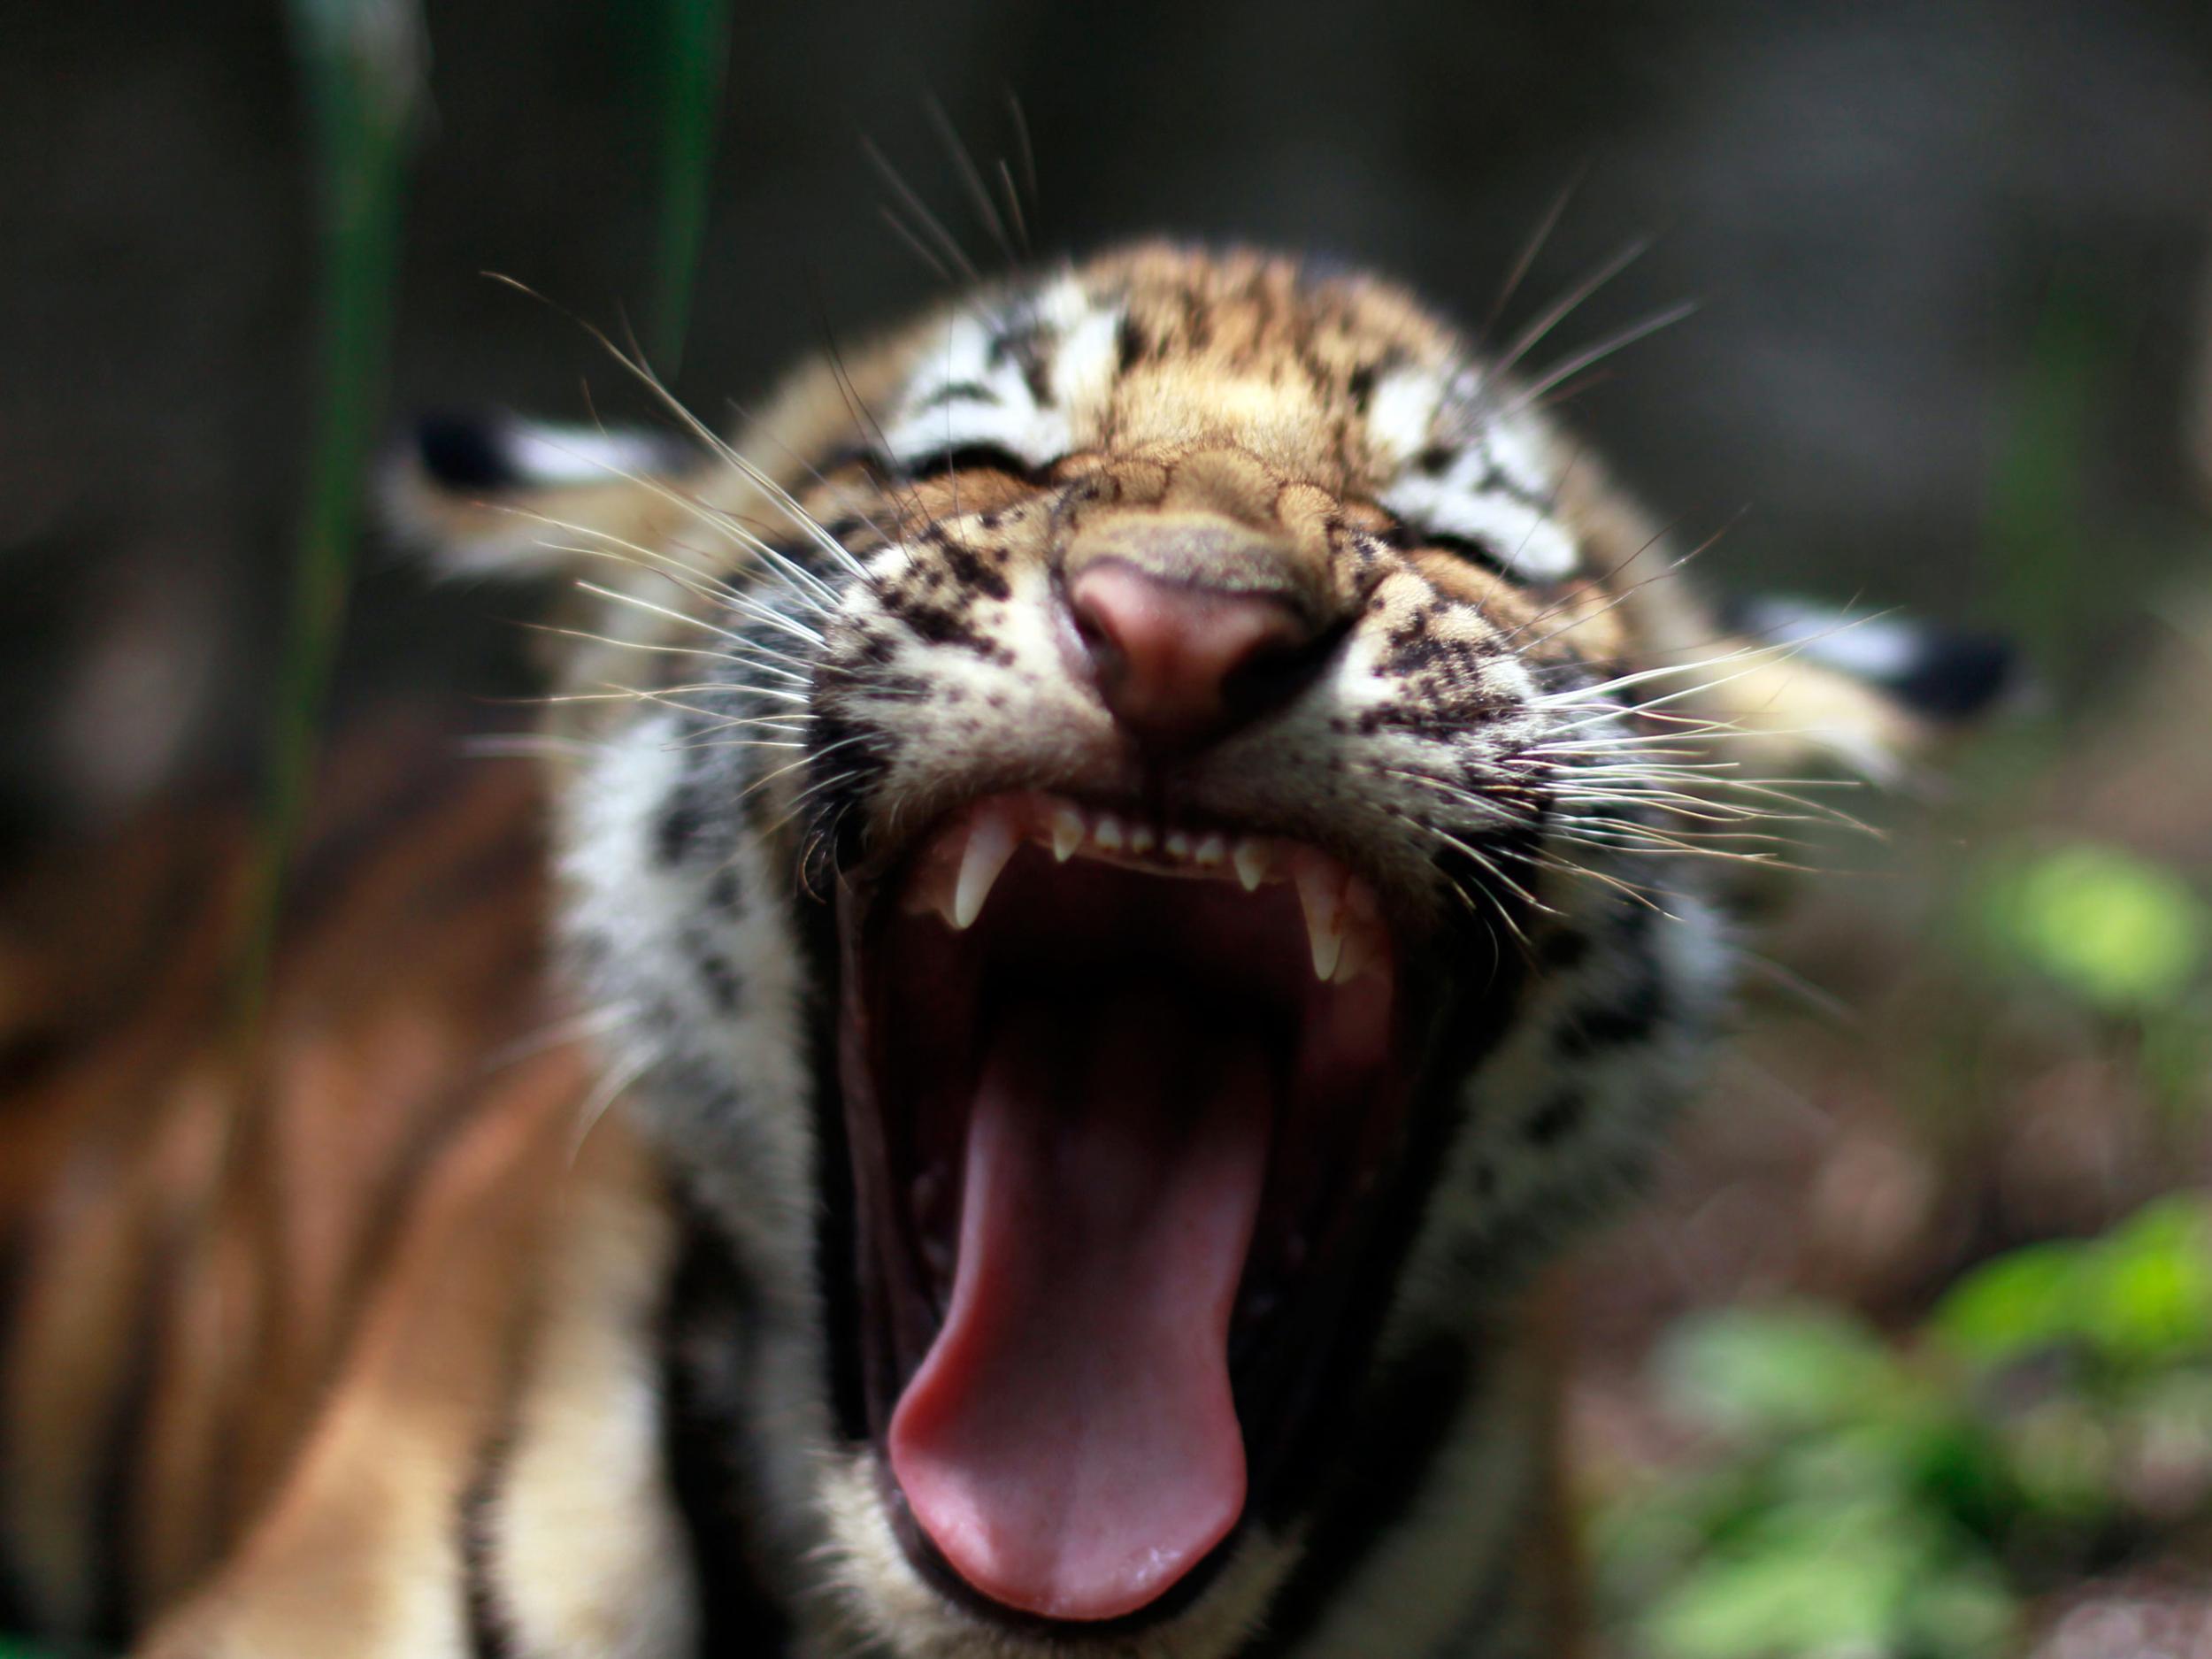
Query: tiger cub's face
{"x":1139,"y":890}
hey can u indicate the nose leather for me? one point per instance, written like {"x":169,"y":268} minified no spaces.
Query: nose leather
{"x":1180,"y":664}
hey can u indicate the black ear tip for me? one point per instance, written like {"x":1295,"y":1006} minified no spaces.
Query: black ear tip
{"x":463,"y":451}
{"x":1959,"y":673}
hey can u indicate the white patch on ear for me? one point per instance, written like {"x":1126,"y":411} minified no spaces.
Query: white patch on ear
{"x":477,"y":495}
{"x":541,"y":454}
{"x":1868,"y":647}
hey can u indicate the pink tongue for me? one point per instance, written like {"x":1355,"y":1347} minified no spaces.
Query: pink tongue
{"x":1069,"y":1443}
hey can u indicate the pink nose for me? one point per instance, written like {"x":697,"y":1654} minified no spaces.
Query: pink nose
{"x":1179,"y":665}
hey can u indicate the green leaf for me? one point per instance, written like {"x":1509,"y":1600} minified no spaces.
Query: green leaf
{"x":1775,"y":1370}
{"x":1966,"y":1614}
{"x":1815,"y":1584}
{"x":2148,"y":1298}
{"x":2014,"y":1305}
{"x":2122,"y":933}
{"x":2139,"y":1297}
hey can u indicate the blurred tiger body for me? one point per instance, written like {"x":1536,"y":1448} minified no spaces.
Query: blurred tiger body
{"x":389,"y":1337}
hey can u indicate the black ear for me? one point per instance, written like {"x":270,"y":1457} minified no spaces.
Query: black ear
{"x":485,"y":492}
{"x":1938,"y":674}
{"x":464,"y":452}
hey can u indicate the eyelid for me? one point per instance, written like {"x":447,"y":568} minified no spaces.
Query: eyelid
{"x":1472,"y":548}
{"x":963,"y":458}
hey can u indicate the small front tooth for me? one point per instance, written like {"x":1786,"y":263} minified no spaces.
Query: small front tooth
{"x":1067,"y":832}
{"x":1106,"y":832}
{"x":991,"y":842}
{"x":1178,"y":846}
{"x":1321,"y":895}
{"x":1210,"y":850}
{"x":1142,"y":839}
{"x":1252,"y":862}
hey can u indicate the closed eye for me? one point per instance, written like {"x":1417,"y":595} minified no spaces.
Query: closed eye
{"x":966,"y":458}
{"x":1469,"y":547}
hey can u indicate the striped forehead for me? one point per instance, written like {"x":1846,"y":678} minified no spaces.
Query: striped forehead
{"x":1449,"y":451}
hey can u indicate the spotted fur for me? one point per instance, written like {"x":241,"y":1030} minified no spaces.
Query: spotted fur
{"x":793,"y":655}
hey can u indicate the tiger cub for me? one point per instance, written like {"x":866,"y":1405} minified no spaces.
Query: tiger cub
{"x":1132,"y":860}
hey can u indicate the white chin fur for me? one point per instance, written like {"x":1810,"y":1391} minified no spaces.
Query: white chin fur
{"x":881,"y":1600}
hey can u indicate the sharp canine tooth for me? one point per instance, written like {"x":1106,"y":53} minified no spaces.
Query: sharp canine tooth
{"x":1067,"y":832}
{"x":1252,"y":861}
{"x":1321,"y":894}
{"x":1140,"y":838}
{"x":1177,"y":845}
{"x":1361,"y":948}
{"x":1211,"y":850}
{"x":1106,"y":832}
{"x":990,"y":844}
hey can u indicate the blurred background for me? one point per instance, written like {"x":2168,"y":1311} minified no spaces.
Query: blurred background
{"x":1913,"y":1355}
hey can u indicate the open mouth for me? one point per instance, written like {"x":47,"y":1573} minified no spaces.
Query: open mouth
{"x":1122,"y":1100}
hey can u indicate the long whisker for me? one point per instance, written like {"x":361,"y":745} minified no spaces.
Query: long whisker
{"x":971,"y":177}
{"x":618,"y":1082}
{"x":713,"y":441}
{"x":1023,"y":147}
{"x":915,"y":205}
{"x":1604,"y":349}
{"x":905,"y":233}
{"x":1530,"y":249}
{"x":1533,"y":335}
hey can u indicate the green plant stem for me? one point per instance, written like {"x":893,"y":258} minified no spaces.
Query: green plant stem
{"x":359,"y":62}
{"x":693,"y":56}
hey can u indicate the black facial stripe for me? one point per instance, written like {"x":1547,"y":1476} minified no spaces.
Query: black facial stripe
{"x":727,"y":891}
{"x":723,"y":982}
{"x":489,"y":1624}
{"x":1629,"y":1018}
{"x":1556,"y":1118}
{"x":958,"y":392}
{"x":703,"y":1439}
{"x":680,"y":822}
{"x":1030,"y":346}
{"x":1131,"y":345}
{"x":1494,"y":481}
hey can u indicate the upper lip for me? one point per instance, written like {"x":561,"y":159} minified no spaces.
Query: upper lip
{"x":956,"y":867}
